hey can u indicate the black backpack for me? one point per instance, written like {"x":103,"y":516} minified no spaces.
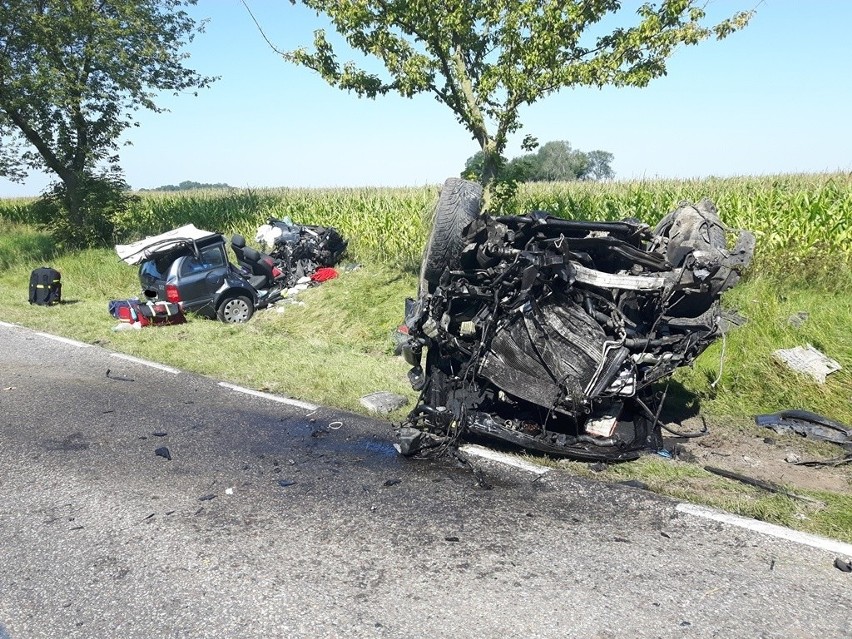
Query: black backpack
{"x":45,"y":286}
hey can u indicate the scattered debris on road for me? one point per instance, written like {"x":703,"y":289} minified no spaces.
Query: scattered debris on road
{"x":118,"y":378}
{"x":163,"y":452}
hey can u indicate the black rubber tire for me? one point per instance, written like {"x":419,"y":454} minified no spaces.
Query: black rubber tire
{"x":697,"y":224}
{"x":460,"y":203}
{"x":235,"y":310}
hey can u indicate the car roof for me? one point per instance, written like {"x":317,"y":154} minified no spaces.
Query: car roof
{"x":163,"y":243}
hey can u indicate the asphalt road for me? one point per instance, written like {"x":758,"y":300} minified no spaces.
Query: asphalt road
{"x":268,"y":523}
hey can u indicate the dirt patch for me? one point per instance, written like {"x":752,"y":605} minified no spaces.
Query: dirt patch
{"x":762,"y":454}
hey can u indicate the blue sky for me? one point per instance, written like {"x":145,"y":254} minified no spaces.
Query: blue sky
{"x":773,"y":98}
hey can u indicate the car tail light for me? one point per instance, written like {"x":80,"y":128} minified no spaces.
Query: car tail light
{"x":172,"y":294}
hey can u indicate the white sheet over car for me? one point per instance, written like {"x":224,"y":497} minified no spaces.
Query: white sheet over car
{"x":143,"y":249}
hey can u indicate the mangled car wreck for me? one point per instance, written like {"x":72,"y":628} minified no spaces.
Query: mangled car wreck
{"x":189,"y":268}
{"x":550,"y":334}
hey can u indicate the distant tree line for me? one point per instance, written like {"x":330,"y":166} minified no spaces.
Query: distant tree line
{"x":555,"y":161}
{"x":188,"y":185}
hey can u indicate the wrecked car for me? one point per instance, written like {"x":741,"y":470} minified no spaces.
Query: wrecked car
{"x":550,"y":334}
{"x":300,"y":250}
{"x":190,"y":267}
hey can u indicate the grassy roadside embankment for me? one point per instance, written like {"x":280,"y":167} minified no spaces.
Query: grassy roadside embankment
{"x":337,"y":348}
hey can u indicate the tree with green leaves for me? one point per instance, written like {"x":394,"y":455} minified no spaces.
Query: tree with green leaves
{"x":599,"y":165}
{"x":485,"y":59}
{"x":72,"y":73}
{"x":555,"y":161}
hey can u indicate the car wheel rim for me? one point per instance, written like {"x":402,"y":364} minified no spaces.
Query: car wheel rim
{"x":236,"y":311}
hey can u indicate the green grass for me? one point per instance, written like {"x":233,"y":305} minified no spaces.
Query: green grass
{"x":753,"y":381}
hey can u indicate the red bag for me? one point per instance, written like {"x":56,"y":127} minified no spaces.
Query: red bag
{"x":323,"y":274}
{"x":160,"y":313}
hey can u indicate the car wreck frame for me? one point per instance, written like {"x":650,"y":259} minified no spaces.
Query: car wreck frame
{"x":551,"y":334}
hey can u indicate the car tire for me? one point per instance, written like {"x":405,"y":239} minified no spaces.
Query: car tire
{"x":460,"y":203}
{"x":695,"y":225}
{"x":235,"y":310}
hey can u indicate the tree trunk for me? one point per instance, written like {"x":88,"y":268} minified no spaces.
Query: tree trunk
{"x":73,"y":198}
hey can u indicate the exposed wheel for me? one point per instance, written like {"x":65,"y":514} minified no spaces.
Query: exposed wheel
{"x":692,"y":227}
{"x":235,"y":310}
{"x":460,"y":202}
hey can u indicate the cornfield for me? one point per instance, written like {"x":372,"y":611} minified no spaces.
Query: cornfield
{"x":792,"y":215}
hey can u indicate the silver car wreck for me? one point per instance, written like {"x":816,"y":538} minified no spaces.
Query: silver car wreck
{"x":550,"y":334}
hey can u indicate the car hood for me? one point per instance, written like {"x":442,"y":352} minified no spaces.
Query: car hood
{"x":156,"y":244}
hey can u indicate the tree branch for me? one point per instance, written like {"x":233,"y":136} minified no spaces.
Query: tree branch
{"x":38,"y":142}
{"x":259,"y":28}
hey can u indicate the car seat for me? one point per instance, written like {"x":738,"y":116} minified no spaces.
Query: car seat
{"x":261,"y":269}
{"x":238,"y":245}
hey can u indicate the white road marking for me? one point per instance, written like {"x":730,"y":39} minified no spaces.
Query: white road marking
{"x":270,"y":396}
{"x":64,"y":340}
{"x":823,"y":543}
{"x":10,"y":325}
{"x":503,"y":458}
{"x":145,"y":362}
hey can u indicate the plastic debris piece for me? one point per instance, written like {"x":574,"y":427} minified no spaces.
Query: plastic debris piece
{"x":383,"y":401}
{"x":229,"y":491}
{"x":285,"y":482}
{"x":392,"y":482}
{"x":164,"y":452}
{"x":807,"y":424}
{"x":159,"y":434}
{"x":120,"y":378}
{"x":808,"y":361}
{"x":207,"y":497}
{"x":451,"y":538}
{"x":844,"y":565}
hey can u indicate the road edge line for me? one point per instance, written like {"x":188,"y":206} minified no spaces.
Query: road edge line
{"x":503,"y":458}
{"x":64,"y":340}
{"x":145,"y":362}
{"x":274,"y":398}
{"x":772,"y":530}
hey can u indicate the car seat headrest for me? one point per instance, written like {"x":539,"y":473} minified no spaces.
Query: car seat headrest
{"x":239,"y":241}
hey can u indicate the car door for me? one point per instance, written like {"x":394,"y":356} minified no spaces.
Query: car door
{"x":200,"y":277}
